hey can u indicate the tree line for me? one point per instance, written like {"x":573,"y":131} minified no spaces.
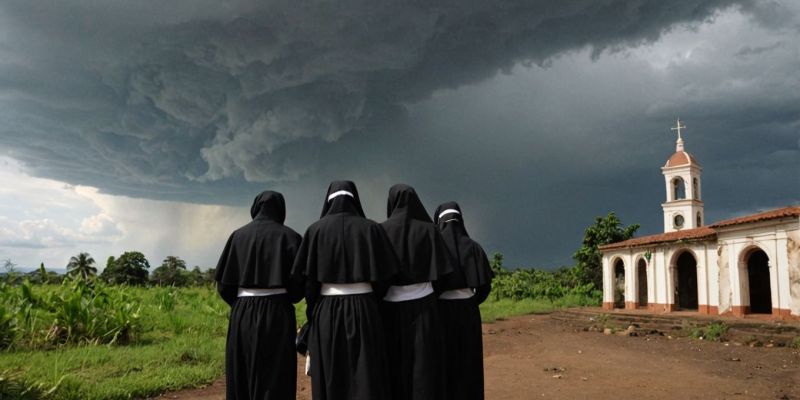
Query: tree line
{"x":130,"y":268}
{"x":584,"y":279}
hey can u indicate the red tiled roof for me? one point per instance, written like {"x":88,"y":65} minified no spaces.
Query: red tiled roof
{"x":702,"y":233}
{"x":680,"y":158}
{"x":784,"y":212}
{"x":686,"y":234}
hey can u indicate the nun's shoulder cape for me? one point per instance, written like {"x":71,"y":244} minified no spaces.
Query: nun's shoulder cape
{"x":344,"y":246}
{"x":420,"y":248}
{"x":472,"y":267}
{"x":261,"y":253}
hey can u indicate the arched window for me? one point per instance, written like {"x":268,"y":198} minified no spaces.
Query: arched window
{"x":699,"y":219}
{"x":695,"y":192}
{"x":678,"y":189}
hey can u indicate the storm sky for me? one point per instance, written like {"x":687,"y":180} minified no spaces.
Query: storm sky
{"x":151,"y":125}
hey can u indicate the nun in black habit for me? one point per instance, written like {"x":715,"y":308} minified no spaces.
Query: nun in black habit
{"x":253,"y":277}
{"x":461,"y":294}
{"x":410,"y":313}
{"x":346,"y":261}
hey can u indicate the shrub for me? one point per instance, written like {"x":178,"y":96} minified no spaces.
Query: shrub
{"x":714,"y":332}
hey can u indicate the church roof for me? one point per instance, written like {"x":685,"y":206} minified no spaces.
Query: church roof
{"x":705,"y":232}
{"x":680,"y":158}
{"x":785,"y":212}
{"x":695,"y":234}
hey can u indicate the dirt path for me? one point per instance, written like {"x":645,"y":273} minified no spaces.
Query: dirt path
{"x":534,"y":357}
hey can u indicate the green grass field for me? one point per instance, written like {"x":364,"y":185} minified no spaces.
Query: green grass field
{"x":180,"y":344}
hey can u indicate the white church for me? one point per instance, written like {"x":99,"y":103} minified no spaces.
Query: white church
{"x":739,"y":266}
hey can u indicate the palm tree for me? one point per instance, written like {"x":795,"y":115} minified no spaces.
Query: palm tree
{"x":83,"y":265}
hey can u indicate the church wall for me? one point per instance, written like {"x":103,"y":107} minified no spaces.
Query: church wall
{"x":793,"y":271}
{"x":775,"y":238}
{"x":725,"y":294}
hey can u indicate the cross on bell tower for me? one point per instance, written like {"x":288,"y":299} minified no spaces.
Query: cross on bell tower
{"x":678,"y":127}
{"x":683,"y":208}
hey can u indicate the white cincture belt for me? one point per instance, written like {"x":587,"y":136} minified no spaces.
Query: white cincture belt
{"x":408,"y":292}
{"x":343,"y":289}
{"x":246,"y":292}
{"x":457,"y":294}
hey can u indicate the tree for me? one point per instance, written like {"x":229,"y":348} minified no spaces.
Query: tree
{"x":589,"y":260}
{"x":496,"y":263}
{"x":11,"y":275}
{"x":110,"y":271}
{"x":81,"y":265}
{"x":130,"y":268}
{"x":196,"y":276}
{"x":43,"y":274}
{"x":9,"y":266}
{"x":171,"y":272}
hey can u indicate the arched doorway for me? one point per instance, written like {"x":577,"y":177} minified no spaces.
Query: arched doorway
{"x":686,"y":267}
{"x":758,"y":282}
{"x":641,"y":275}
{"x":619,"y":284}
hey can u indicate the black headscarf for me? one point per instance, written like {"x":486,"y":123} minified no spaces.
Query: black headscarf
{"x":419,"y":246}
{"x":269,"y":205}
{"x":345,"y":199}
{"x":472,"y":265}
{"x":261,"y":253}
{"x":344,"y":246}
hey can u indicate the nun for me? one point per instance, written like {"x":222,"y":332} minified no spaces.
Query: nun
{"x":461,"y":294}
{"x":414,"y":335}
{"x":346,"y":261}
{"x":253,"y":277}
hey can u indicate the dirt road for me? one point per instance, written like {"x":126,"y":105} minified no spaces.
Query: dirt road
{"x":534,"y":357}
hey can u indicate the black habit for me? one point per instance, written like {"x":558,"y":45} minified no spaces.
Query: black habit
{"x":461,"y":318}
{"x":260,"y":361}
{"x":413,"y":327}
{"x":345,"y":337}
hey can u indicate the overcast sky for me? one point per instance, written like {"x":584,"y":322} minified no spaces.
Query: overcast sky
{"x":151,"y":125}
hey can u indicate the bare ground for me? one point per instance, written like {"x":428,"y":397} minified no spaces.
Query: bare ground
{"x":535,"y":357}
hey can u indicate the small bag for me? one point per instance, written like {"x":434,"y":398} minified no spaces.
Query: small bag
{"x":301,"y":342}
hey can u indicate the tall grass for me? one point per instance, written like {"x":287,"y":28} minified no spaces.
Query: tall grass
{"x":167,"y":349}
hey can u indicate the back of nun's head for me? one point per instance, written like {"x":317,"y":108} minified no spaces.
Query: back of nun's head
{"x":269,"y":204}
{"x":342,"y":196}
{"x":448,"y":212}
{"x":403,"y":199}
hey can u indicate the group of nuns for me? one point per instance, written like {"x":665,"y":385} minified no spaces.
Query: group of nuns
{"x":392,"y":308}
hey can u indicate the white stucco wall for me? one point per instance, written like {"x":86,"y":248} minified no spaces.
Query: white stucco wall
{"x":721,"y":267}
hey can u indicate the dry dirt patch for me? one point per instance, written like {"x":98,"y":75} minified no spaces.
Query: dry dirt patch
{"x":535,"y":357}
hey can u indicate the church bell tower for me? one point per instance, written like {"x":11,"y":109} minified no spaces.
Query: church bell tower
{"x":683,"y":208}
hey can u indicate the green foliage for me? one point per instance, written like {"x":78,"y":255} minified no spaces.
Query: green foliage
{"x":77,"y":311}
{"x":81,"y":265}
{"x":172,"y":272}
{"x":14,"y":386}
{"x":43,"y":274}
{"x":795,"y":344}
{"x":8,"y":327}
{"x":170,"y":349}
{"x":714,"y":332}
{"x":130,"y":268}
{"x":496,"y":263}
{"x":588,"y":259}
{"x":539,"y":284}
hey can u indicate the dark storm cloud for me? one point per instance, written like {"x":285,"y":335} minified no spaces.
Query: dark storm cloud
{"x":207,"y":101}
{"x":181,"y":94}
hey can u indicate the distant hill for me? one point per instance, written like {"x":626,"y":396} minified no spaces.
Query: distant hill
{"x":25,"y":270}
